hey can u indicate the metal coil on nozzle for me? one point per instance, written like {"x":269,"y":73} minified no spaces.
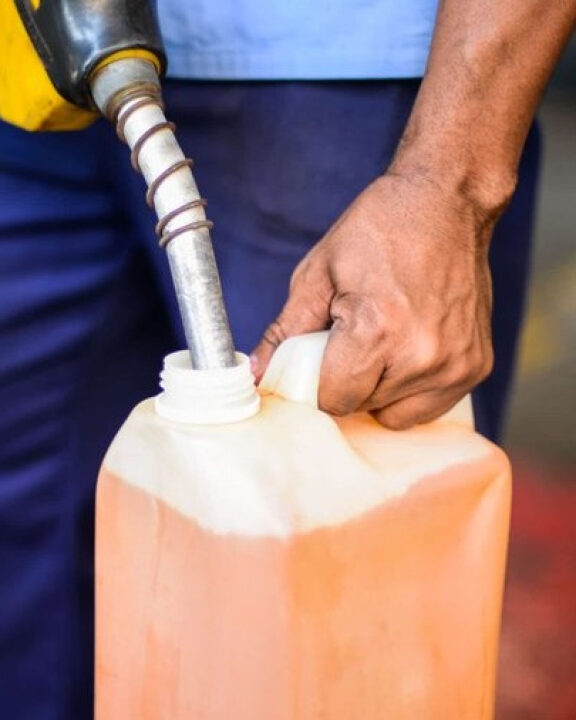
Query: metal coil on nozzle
{"x":128,"y":93}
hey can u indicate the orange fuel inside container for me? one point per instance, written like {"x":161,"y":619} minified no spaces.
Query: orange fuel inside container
{"x":291,"y":566}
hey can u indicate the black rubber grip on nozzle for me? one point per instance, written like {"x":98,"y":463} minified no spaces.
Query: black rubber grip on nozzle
{"x":73,"y":36}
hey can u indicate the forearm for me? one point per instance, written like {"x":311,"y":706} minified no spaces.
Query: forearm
{"x":489,"y":64}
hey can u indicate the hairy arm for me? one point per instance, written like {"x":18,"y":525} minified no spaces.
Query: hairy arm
{"x":488,"y":67}
{"x":402,"y":277}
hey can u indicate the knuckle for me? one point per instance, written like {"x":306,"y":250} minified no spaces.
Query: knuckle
{"x":337,"y":404}
{"x":275,"y":333}
{"x":359,"y":315}
{"x":394,"y":419}
{"x":338,"y":408}
{"x":467,"y":369}
{"x":476,"y":369}
{"x":334,"y":408}
{"x":459,"y":372}
{"x":427,"y":356}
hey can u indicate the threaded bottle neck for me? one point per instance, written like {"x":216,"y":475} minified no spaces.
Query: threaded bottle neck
{"x":206,"y":397}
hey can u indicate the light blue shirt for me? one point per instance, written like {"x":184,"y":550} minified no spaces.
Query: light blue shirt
{"x":296,"y":39}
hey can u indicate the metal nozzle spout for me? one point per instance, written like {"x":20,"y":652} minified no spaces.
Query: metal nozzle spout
{"x":128,"y":93}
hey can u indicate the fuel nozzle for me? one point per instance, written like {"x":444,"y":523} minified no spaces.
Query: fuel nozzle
{"x":128,"y":93}
{"x":72,"y":38}
{"x":81,"y":57}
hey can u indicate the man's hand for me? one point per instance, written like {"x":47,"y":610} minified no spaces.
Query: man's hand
{"x":403,"y":274}
{"x":402,"y":278}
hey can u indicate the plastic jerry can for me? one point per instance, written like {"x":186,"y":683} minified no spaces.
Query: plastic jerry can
{"x":258,"y":559}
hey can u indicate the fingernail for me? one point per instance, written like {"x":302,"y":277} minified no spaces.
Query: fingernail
{"x":254,"y":365}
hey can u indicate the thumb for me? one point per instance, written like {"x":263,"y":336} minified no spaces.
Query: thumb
{"x":303,"y":312}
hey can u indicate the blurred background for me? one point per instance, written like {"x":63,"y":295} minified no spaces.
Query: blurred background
{"x":538,"y":651}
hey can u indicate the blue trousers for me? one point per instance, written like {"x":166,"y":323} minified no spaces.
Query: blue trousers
{"x":87,"y":312}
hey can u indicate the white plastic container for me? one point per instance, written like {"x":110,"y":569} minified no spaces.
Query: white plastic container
{"x":273,"y":563}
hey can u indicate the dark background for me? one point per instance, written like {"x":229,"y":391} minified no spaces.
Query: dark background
{"x":538,"y":651}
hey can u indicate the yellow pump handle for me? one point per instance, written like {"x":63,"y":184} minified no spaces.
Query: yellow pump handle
{"x":27,"y":97}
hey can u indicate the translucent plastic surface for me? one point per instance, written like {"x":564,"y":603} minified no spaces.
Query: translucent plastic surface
{"x":291,"y":567}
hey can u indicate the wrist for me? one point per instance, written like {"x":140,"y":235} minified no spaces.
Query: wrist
{"x":460,"y":173}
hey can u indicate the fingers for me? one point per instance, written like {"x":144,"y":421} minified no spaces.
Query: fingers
{"x":400,"y":403}
{"x":417,"y":409}
{"x":353,"y":361}
{"x":403,"y":377}
{"x":415,"y":364}
{"x":306,"y":310}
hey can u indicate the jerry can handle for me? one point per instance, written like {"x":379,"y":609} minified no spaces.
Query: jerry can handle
{"x":294,"y":374}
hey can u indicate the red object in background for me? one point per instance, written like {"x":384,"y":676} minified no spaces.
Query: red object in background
{"x":538,"y":648}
